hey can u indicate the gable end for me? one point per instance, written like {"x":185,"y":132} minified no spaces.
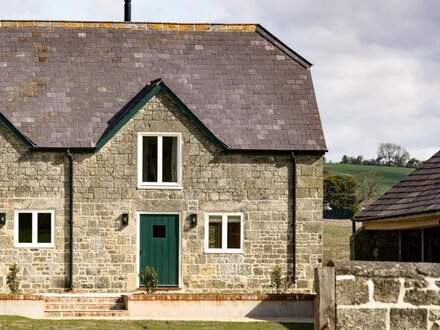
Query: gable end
{"x":138,"y":102}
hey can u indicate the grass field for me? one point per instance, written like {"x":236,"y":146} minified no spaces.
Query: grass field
{"x":391,"y":175}
{"x":14,"y":322}
{"x":336,"y":240}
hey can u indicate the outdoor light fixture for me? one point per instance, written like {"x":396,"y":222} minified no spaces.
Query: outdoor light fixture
{"x":327,"y":206}
{"x":125,"y":219}
{"x":194,"y":219}
{"x":2,"y":219}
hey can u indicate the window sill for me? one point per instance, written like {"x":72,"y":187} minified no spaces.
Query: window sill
{"x":33,"y":246}
{"x":159,"y":186}
{"x":227,"y":251}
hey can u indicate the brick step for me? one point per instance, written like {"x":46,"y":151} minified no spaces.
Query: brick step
{"x":56,"y":306}
{"x":80,"y":314}
{"x":85,"y":300}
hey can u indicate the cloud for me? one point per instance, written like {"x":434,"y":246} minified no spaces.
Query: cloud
{"x":377,"y":63}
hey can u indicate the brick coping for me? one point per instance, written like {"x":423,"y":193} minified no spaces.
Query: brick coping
{"x":6,"y":296}
{"x":133,"y":25}
{"x":171,"y":297}
{"x":220,"y":297}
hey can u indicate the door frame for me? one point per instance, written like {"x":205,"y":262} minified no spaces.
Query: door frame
{"x":138,"y":244}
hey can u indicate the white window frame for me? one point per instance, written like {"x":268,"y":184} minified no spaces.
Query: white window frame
{"x":35,"y":243}
{"x":159,"y":184}
{"x":224,"y":248}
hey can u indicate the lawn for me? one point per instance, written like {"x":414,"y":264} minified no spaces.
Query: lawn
{"x":14,"y":322}
{"x":391,"y":175}
{"x":336,"y":240}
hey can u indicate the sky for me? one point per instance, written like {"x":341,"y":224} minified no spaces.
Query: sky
{"x":376,"y":63}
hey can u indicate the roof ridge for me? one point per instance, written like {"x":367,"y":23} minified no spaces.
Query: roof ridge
{"x":162,"y":26}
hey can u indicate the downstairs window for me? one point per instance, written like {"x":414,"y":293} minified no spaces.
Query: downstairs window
{"x":34,"y":229}
{"x":224,"y":232}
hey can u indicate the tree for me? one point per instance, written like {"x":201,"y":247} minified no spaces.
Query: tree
{"x":369,"y":185}
{"x":340,"y":192}
{"x":413,"y":163}
{"x":392,"y":154}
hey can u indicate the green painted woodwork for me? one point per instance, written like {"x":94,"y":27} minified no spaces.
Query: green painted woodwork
{"x":159,"y":246}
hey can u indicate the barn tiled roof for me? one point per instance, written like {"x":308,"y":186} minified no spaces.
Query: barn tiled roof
{"x":418,"y":193}
{"x":61,"y":83}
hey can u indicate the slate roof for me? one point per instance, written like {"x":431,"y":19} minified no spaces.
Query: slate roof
{"x":63,"y":83}
{"x":418,"y":193}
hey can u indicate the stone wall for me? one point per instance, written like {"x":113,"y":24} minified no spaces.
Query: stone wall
{"x":32,"y":181}
{"x":387,"y":295}
{"x":105,"y":186}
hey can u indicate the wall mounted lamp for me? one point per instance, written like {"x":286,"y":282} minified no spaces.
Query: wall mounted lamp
{"x":2,"y":219}
{"x":125,"y":219}
{"x":327,"y":206}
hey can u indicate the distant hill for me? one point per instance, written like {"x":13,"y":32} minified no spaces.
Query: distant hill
{"x":391,"y":175}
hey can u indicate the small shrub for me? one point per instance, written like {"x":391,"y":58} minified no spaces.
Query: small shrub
{"x":13,"y":280}
{"x":149,"y":277}
{"x":277,"y":280}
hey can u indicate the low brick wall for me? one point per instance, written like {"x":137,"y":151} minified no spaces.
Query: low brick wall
{"x":22,"y":305}
{"x":297,"y":307}
{"x":387,"y":295}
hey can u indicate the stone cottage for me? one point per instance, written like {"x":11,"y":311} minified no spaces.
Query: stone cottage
{"x":193,"y":148}
{"x":403,"y":224}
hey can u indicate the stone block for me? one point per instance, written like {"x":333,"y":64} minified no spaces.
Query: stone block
{"x":434,"y":315}
{"x":386,"y":290}
{"x":415,"y":283}
{"x":419,"y":297}
{"x":361,"y":318}
{"x":352,"y":292}
{"x":408,"y":319}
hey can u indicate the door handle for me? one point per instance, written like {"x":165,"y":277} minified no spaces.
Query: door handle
{"x":141,"y":252}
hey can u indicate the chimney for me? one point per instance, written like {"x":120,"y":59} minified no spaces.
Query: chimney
{"x":127,"y":11}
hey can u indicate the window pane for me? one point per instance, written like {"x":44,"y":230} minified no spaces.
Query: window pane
{"x":149,"y":161}
{"x":215,"y":232}
{"x":25,"y":228}
{"x":234,"y":232}
{"x":159,"y":231}
{"x":44,"y":228}
{"x":169,"y":159}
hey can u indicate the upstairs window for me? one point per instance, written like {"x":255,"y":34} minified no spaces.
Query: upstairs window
{"x":34,"y":229}
{"x":224,"y":232}
{"x":159,"y":160}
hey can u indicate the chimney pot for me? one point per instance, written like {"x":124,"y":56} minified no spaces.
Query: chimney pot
{"x":127,"y":11}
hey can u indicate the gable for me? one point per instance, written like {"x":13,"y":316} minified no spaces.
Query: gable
{"x":139,"y":101}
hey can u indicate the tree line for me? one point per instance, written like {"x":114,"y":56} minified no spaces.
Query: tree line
{"x":388,"y":154}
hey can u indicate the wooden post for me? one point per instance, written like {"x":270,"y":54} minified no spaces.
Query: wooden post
{"x":325,"y":303}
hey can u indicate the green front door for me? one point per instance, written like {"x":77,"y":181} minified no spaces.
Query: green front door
{"x":159,"y":246}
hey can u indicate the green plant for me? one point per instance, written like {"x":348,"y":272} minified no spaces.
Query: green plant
{"x":13,"y":280}
{"x":341,"y":193}
{"x":149,"y":277}
{"x":277,"y":280}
